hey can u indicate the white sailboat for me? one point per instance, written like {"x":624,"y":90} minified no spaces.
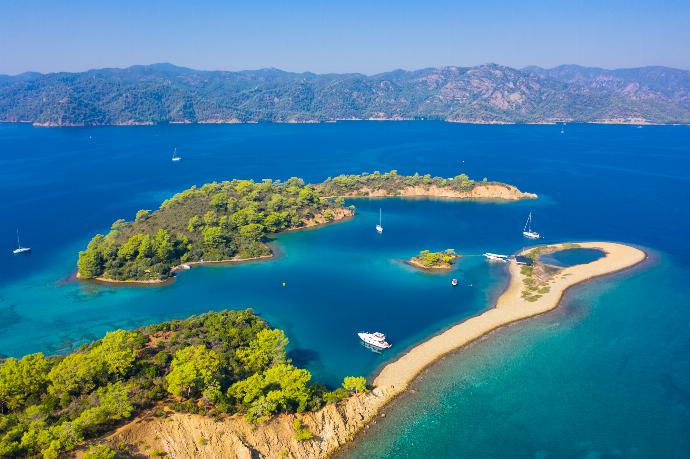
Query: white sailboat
{"x":19,"y":248}
{"x":527,"y":231}
{"x":175,"y":157}
{"x":379,"y":227}
{"x":563,"y":128}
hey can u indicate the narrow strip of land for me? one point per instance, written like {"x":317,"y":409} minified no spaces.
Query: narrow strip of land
{"x":510,"y":307}
{"x":336,"y":424}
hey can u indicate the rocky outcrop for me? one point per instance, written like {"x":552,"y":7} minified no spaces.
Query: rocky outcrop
{"x":196,"y":436}
{"x":495,"y":191}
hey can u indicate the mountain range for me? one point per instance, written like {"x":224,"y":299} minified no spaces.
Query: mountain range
{"x":164,"y":93}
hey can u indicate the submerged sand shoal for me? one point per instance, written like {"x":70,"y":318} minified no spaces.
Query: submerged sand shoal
{"x":334,"y":425}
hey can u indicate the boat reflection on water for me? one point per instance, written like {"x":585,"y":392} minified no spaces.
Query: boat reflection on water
{"x":374,"y":349}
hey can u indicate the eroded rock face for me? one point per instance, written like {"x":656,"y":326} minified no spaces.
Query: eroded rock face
{"x":480,"y":191}
{"x":195,"y":436}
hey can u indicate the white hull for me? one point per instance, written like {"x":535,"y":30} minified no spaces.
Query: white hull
{"x":379,"y":229}
{"x":496,"y":257}
{"x":21,"y":250}
{"x":372,"y":340}
{"x":176,"y":159}
{"x":531,"y":235}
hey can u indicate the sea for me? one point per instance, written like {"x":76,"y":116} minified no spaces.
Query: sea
{"x":605,"y":376}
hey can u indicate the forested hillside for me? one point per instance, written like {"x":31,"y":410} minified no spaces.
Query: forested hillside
{"x":214,"y":364}
{"x":163,"y":93}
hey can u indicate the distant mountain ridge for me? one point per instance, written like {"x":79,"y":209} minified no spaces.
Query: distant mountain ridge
{"x":165,"y":93}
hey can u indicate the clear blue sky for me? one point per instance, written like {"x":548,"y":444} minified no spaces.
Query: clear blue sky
{"x":366,"y":36}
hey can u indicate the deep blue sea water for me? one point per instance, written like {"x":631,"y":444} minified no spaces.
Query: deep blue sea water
{"x":606,"y":376}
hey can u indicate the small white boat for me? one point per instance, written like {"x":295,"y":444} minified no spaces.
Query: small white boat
{"x":19,"y":248}
{"x":379,"y":227}
{"x":175,"y":157}
{"x":563,"y":128}
{"x":454,"y":282}
{"x":496,"y":257}
{"x":527,"y":231}
{"x":376,"y":339}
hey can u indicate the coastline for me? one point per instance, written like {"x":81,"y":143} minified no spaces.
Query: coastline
{"x":510,"y":307}
{"x":316,"y":222}
{"x":483,"y":191}
{"x":442,"y":268}
{"x":173,"y":271}
{"x":336,"y":424}
{"x":131,"y":123}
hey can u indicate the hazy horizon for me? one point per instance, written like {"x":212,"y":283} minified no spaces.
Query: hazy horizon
{"x":357,"y":37}
{"x":338,"y":73}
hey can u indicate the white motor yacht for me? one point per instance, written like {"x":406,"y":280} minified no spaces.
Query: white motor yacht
{"x":496,"y":257}
{"x":376,"y":339}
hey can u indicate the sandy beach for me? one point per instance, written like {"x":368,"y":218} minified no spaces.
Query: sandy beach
{"x":510,"y":307}
{"x":337,"y":424}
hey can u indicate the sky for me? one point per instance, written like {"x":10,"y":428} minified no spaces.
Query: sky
{"x":367,"y":36}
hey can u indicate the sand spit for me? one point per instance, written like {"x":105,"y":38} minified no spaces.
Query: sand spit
{"x":196,"y":436}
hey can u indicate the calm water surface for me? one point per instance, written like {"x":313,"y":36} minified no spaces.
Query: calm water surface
{"x":607,"y":376}
{"x":572,"y":257}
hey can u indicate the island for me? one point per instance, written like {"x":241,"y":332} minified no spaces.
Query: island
{"x":220,"y":364}
{"x":195,"y":435}
{"x":434,"y":261}
{"x":233,"y":221}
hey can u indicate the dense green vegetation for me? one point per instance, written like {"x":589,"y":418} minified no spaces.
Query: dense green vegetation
{"x":218,"y":221}
{"x":164,"y":93}
{"x":436,"y":260}
{"x":216,"y":363}
{"x":231,"y":220}
{"x":391,"y":183}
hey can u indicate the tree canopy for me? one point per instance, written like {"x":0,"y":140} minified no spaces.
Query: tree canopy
{"x":215,"y":363}
{"x":218,"y":221}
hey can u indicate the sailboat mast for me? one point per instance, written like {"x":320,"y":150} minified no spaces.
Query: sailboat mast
{"x":18,"y":244}
{"x":380,"y":216}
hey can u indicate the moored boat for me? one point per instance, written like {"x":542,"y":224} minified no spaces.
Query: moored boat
{"x":19,"y":248}
{"x":376,"y":339}
{"x":527,"y":231}
{"x":496,"y":257}
{"x":454,"y":282}
{"x":379,"y":227}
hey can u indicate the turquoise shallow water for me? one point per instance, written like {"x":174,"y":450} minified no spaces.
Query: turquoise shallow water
{"x":572,"y":257}
{"x":607,"y":376}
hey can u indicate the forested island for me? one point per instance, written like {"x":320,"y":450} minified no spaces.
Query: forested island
{"x":226,"y":221}
{"x":428,"y":260}
{"x":233,"y":220}
{"x":214,"y":364}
